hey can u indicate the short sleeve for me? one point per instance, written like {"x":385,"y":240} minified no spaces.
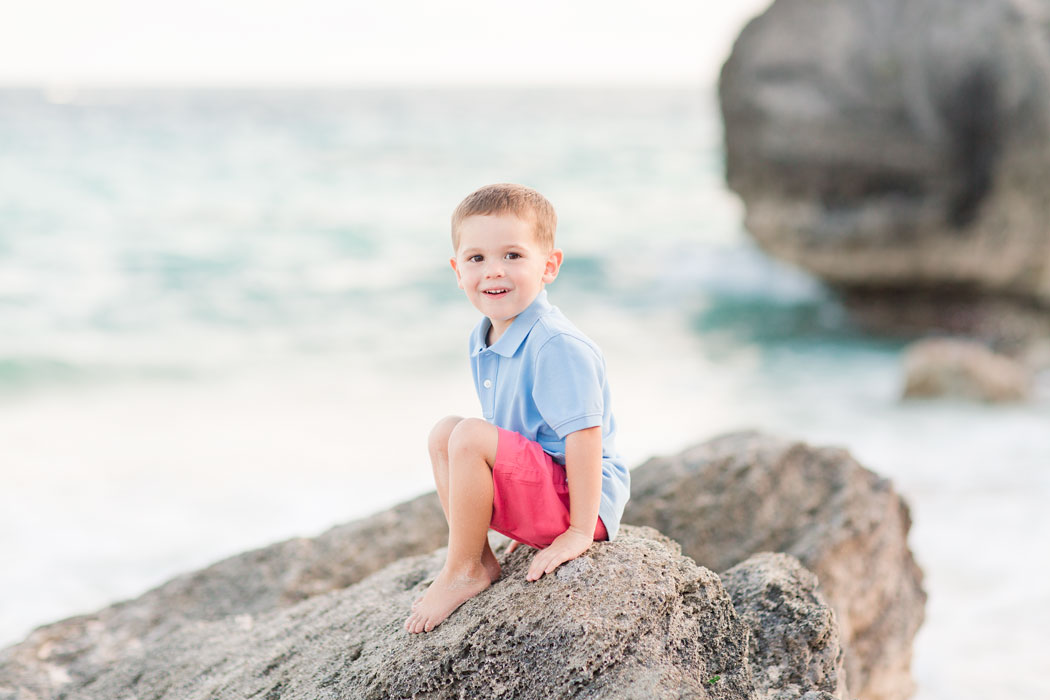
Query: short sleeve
{"x":569,"y":385}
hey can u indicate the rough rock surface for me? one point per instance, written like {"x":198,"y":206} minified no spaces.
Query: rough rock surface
{"x":630,"y":619}
{"x":900,"y":148}
{"x":262,"y":580}
{"x":773,"y":495}
{"x":794,"y":637}
{"x":946,"y":367}
{"x":747,"y":492}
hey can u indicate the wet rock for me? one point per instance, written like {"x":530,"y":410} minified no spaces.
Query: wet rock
{"x":964,"y":369}
{"x":745,"y":493}
{"x":900,"y":151}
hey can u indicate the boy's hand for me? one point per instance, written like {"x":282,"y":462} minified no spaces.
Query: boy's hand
{"x":565,"y":547}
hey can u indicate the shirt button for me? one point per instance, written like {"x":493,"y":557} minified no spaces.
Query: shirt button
{"x":488,"y":384}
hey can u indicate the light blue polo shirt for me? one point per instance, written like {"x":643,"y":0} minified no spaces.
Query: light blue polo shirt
{"x":545,"y":379}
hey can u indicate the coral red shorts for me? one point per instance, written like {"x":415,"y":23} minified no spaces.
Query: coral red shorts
{"x":530,"y":493}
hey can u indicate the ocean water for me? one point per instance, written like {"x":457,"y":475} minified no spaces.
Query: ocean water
{"x":227,"y":318}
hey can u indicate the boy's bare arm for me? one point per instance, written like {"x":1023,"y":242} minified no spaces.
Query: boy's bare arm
{"x":583,"y":465}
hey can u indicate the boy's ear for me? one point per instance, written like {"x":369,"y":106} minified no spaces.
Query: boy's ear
{"x":459,"y":278}
{"x":554,"y":259}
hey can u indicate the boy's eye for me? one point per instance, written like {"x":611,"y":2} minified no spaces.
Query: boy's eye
{"x":475,"y":258}
{"x":513,"y":256}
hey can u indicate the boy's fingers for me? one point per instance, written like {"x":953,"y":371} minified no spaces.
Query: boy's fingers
{"x":556,"y":562}
{"x":539,"y":565}
{"x":544,"y":563}
{"x":547,"y":560}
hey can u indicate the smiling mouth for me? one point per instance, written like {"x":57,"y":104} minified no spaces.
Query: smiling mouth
{"x":495,"y":292}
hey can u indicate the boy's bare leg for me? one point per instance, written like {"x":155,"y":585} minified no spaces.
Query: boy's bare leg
{"x":468,"y":507}
{"x":438,"y":448}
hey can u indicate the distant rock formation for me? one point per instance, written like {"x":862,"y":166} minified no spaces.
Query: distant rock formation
{"x":900,"y":150}
{"x":633,"y":618}
{"x":743,"y":493}
{"x":963,"y":369}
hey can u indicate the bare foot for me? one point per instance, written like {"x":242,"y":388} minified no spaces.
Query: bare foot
{"x":448,"y":591}
{"x":492,"y":568}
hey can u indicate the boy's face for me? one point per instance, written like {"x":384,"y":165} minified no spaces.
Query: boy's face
{"x":501,"y":267}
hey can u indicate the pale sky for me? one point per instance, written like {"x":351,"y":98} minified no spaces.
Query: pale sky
{"x":353,"y":42}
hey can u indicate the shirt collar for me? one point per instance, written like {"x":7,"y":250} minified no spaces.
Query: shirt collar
{"x":514,"y":336}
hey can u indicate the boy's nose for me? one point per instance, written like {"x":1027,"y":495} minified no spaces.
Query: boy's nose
{"x":494,"y":270}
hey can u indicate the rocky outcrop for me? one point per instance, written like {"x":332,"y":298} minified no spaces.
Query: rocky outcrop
{"x":725,"y":500}
{"x":900,"y":150}
{"x":630,"y":619}
{"x":263,"y":580}
{"x":946,"y":367}
{"x":746,"y":492}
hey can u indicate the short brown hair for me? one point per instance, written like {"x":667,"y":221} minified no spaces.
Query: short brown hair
{"x":507,"y":198}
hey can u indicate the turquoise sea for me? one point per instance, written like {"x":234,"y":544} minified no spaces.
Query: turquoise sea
{"x":228,"y":318}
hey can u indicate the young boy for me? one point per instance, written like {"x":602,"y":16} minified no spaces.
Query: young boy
{"x":542,"y":468}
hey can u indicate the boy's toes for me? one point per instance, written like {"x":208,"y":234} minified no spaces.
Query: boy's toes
{"x":417,"y":623}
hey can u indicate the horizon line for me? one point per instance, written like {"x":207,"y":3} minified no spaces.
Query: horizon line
{"x":291,"y":86}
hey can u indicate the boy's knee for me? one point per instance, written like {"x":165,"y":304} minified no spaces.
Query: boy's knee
{"x":439,"y":434}
{"x":473,"y":434}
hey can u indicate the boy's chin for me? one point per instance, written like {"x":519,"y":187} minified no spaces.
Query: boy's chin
{"x":496,"y":315}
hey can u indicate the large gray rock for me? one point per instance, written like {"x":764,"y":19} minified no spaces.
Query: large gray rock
{"x":629,"y":619}
{"x":761,"y":494}
{"x":900,"y":149}
{"x":744,"y":493}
